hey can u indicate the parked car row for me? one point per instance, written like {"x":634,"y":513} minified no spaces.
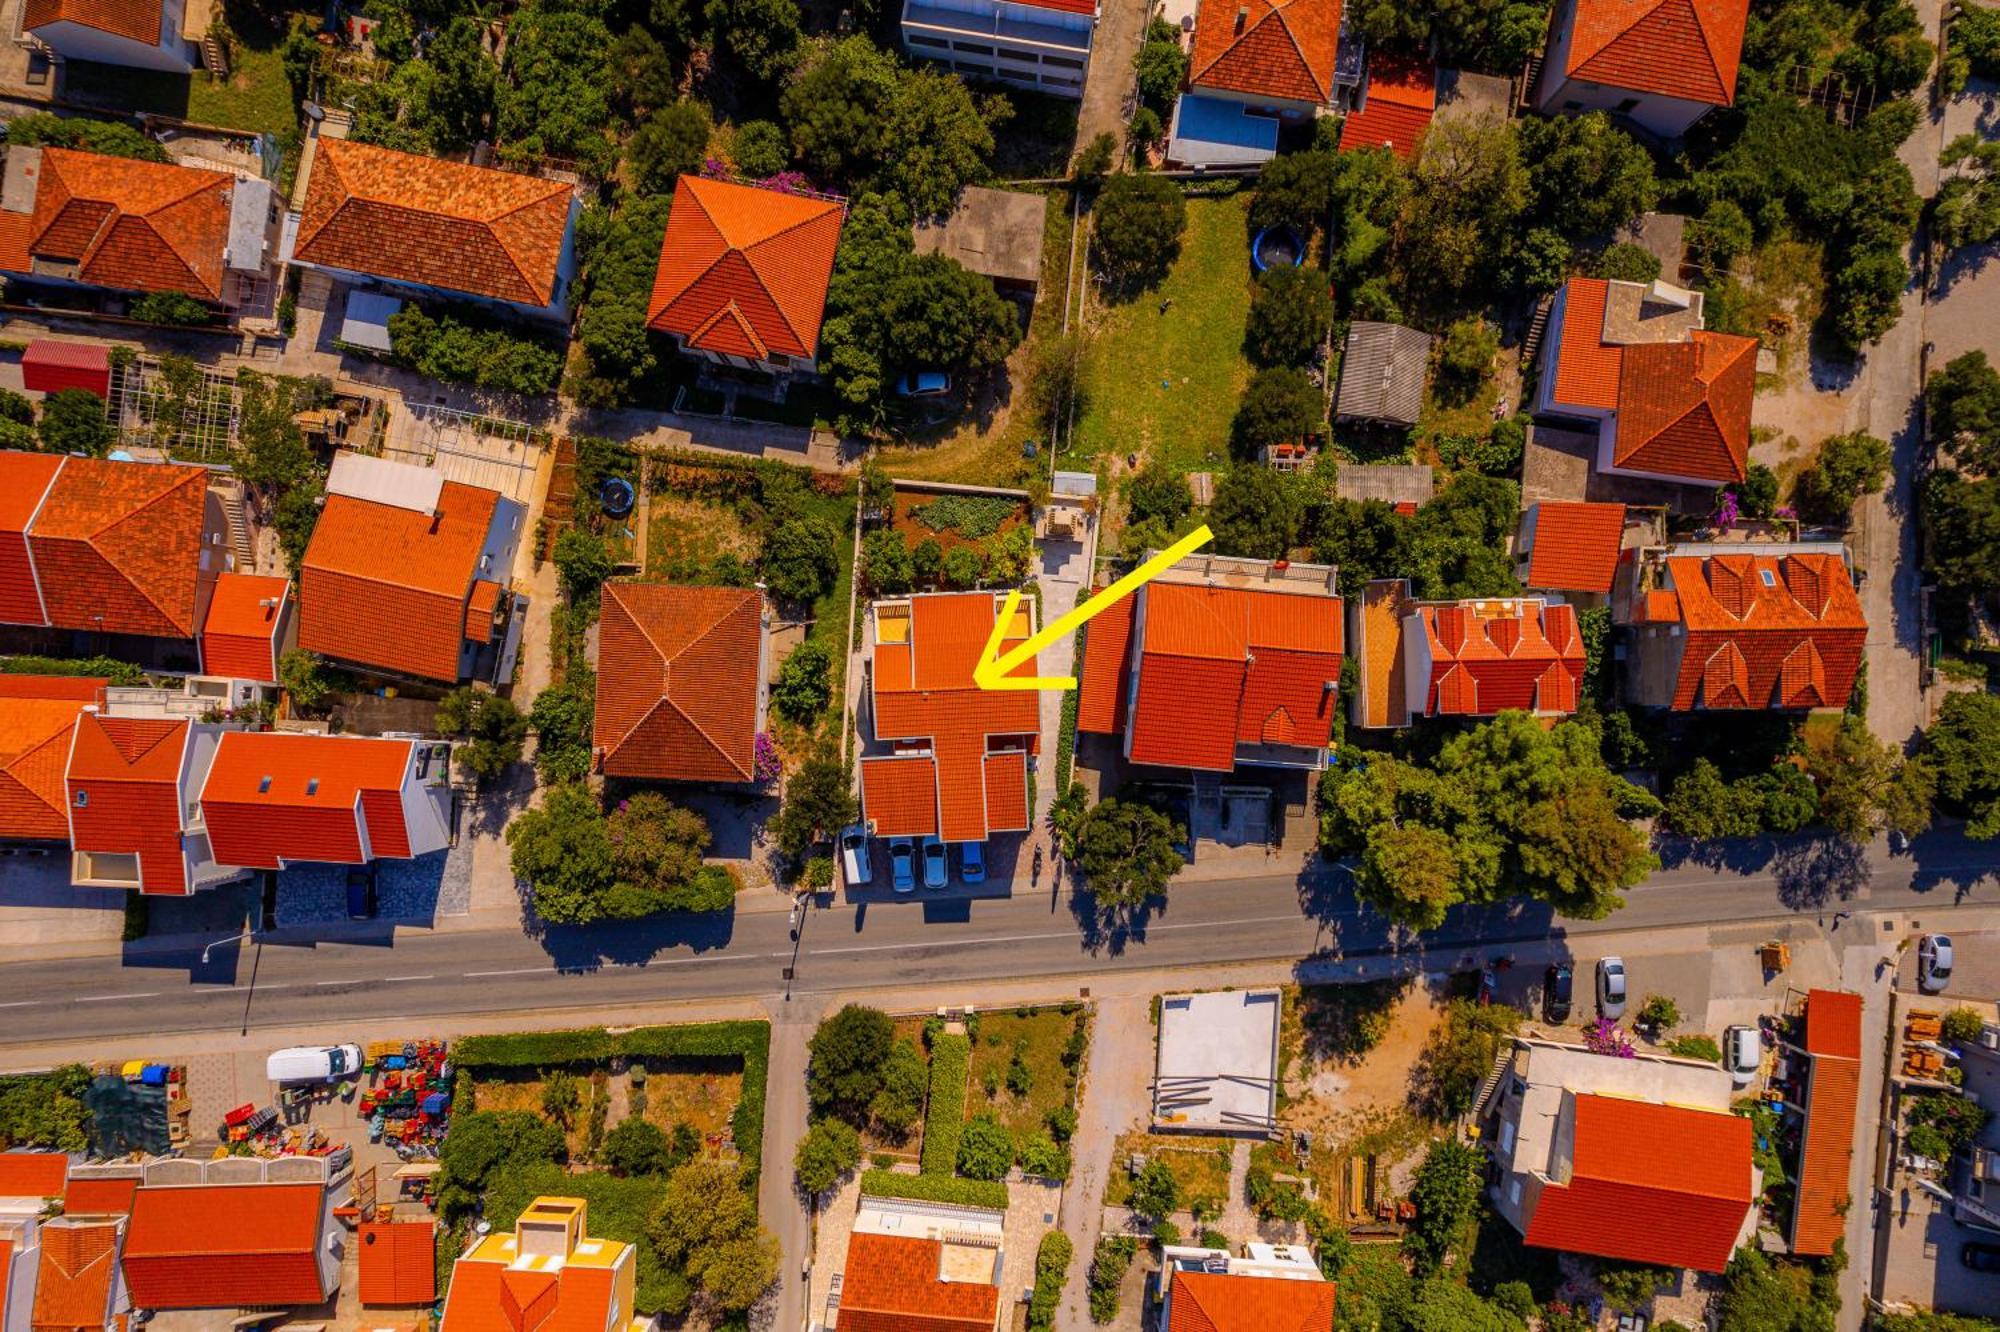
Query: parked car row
{"x":904,"y":855}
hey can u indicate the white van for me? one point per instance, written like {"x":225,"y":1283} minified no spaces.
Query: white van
{"x":313,"y":1063}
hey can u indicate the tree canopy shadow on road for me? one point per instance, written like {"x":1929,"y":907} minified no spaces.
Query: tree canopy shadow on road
{"x":1110,"y":929}
{"x":629,"y":943}
{"x":1938,"y":860}
{"x":1737,"y":855}
{"x":1820,"y":870}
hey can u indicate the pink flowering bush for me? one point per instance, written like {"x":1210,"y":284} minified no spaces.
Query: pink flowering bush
{"x":764,"y":760}
{"x":1606,"y":1037}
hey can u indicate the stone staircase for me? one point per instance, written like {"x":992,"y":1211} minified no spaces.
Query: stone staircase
{"x":1492,"y":1081}
{"x":1539,"y":325}
{"x":239,"y":528}
{"x":214,"y":56}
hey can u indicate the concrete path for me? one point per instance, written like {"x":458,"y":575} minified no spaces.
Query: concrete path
{"x":1107,"y":91}
{"x":778,"y":1200}
{"x":1237,"y":1220}
{"x":1116,"y":1096}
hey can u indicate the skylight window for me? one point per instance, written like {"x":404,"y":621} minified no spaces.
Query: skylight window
{"x":1770,"y":579}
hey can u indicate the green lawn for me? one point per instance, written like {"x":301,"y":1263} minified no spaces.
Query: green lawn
{"x":256,"y":97}
{"x":1167,"y":384}
{"x":1041,"y":1034}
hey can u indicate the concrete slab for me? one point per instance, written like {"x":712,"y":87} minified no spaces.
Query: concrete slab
{"x":1217,"y":1066}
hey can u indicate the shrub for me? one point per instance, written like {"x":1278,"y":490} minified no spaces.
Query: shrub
{"x":886,"y":564}
{"x":829,"y":1150}
{"x":1052,"y":1262}
{"x":901,"y":1098}
{"x":944,"y":1119}
{"x":935,"y":1188}
{"x":985,"y":1149}
{"x":805,"y":683}
{"x":1446,"y":1192}
{"x":465,"y":348}
{"x":1962,"y":1024}
{"x":971,"y":516}
{"x":1465,"y":355}
{"x":1045,"y":1157}
{"x":1290,"y":313}
{"x":963,"y":567}
{"x":174,"y":308}
{"x":1155,"y":1193}
{"x":1093,"y":160}
{"x":1166,"y":1233}
{"x":1139,"y":224}
{"x":73,"y":421}
{"x":1660,"y":1013}
{"x":637,"y":1147}
{"x":848,"y":1052}
{"x":1626,"y":262}
{"x":1696,"y":1046}
{"x":1107,"y":1270}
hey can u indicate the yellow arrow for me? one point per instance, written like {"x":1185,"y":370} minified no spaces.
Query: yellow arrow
{"x":993,"y":669}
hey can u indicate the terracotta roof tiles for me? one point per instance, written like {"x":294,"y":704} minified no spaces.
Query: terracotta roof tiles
{"x":37,"y":717}
{"x":215,"y":1245}
{"x":33,"y":1174}
{"x":1402,"y":97}
{"x":130,"y":224}
{"x":441,"y":224}
{"x":891,"y":1284}
{"x":744,"y":270}
{"x":1688,"y":49}
{"x":1833,"y":1042}
{"x":125,"y":797}
{"x":678,"y":682}
{"x":1684,"y":407}
{"x":272,"y":798}
{"x":1587,"y":367}
{"x":134,"y":20}
{"x":79,"y":1272}
{"x":1281,"y":49}
{"x":239,"y":636}
{"x":1221,"y":1302}
{"x":1680,"y":1202}
{"x":99,"y":1196}
{"x":1746,"y":629}
{"x":1489,"y":657}
{"x":1575,"y":546}
{"x":398,"y":1262}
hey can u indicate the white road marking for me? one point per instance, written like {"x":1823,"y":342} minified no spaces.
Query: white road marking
{"x":517,"y":971}
{"x":22,"y":1003}
{"x":409,"y":978}
{"x":107,"y":998}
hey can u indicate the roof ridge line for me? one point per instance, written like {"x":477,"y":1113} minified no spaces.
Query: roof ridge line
{"x":150,"y":600}
{"x":776,"y":304}
{"x":499,"y":240}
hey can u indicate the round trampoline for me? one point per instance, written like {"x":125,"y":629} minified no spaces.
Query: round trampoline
{"x":1277,"y":247}
{"x":617,"y":496}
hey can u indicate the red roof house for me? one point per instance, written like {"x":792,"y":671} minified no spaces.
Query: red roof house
{"x":743,"y":273}
{"x":1745,"y":627}
{"x":77,"y":1287}
{"x":143,"y":34}
{"x":1567,"y":546}
{"x":680,"y":682}
{"x":107,"y":547}
{"x":1678,"y":1201}
{"x":99,"y":1195}
{"x":119,"y":222}
{"x":33,"y":1174}
{"x":1833,"y":1089}
{"x":1260,"y":646}
{"x":50,"y":366}
{"x":1670,"y":399}
{"x":391,"y":579}
{"x":1200,"y":1301}
{"x":1661,"y":63}
{"x":248,"y":627}
{"x":126,"y":814}
{"x":38,"y":715}
{"x":425,"y":222}
{"x":896,"y":1283}
{"x":1396,"y":108}
{"x":398,"y":1262}
{"x":546,"y":1275}
{"x":1274,"y":52}
{"x":208,"y":1246}
{"x":954,"y":763}
{"x":1478,"y":658}
{"x":276,"y":798}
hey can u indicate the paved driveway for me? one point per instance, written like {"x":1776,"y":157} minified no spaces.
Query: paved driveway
{"x":1121,"y":28}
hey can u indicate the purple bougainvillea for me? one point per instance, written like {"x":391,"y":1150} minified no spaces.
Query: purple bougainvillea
{"x":1606,"y":1037}
{"x":1726,"y":512}
{"x":764,"y":760}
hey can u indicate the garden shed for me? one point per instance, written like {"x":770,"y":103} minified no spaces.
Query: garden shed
{"x":1382,"y":373}
{"x":48,"y":366}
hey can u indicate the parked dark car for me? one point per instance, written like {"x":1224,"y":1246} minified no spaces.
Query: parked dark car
{"x":1981,"y":1257}
{"x":1556,"y":988}
{"x":361,"y":900}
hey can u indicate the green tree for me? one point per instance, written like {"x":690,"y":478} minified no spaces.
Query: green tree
{"x":637,"y":1147}
{"x":1295,"y":190}
{"x":846,"y":1070}
{"x":561,"y":851}
{"x":805,"y":682}
{"x":1626,"y":262}
{"x":583,"y":562}
{"x":1720,"y":235}
{"x":111,"y":138}
{"x":73,"y":421}
{"x":1964,"y":404}
{"x":899,"y":1102}
{"x":1442,"y":1305}
{"x":1126,"y":852}
{"x":836,"y":105}
{"x":1962,"y":522}
{"x":1094,"y":159}
{"x":1445,"y":1191}
{"x":818,"y":800}
{"x":1139,"y":220}
{"x":760,"y":149}
{"x":671,"y":143}
{"x":305,"y":679}
{"x":174,"y":308}
{"x":1256,"y":513}
{"x":706,"y":1223}
{"x":828,"y":1151}
{"x":1290,"y":314}
{"x":483,"y":1143}
{"x":656,"y":850}
{"x":1162,"y":65}
{"x":491,"y":727}
{"x":799,"y":560}
{"x":1465,"y":358}
{"x":938,"y":139}
{"x":1866,"y":786}
{"x":1585,"y":175}
{"x":985,"y":1148}
{"x":1280,"y":405}
{"x":761,"y":34}
{"x":562,"y":1096}
{"x":1157,"y":493}
{"x":1156,"y":1193}
{"x":1701,"y":805}
{"x":556,"y":101}
{"x":1468,"y":190}
{"x":885,"y":562}
{"x":1457,"y":1054}
{"x":561,"y":719}
{"x":1962,"y":747}
{"x":1848,"y":467}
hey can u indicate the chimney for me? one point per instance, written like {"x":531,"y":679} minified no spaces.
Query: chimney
{"x":1242,"y":17}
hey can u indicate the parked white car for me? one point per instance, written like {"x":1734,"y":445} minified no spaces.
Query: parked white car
{"x":854,"y":854}
{"x":1742,"y":1054}
{"x":313,"y":1063}
{"x":1611,"y":987}
{"x":1933,"y":963}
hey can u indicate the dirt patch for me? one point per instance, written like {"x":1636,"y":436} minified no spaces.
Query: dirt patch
{"x":914,"y":529}
{"x":1200,"y":1165}
{"x":1040,"y":1037}
{"x":696,"y":1094}
{"x":684,"y":537}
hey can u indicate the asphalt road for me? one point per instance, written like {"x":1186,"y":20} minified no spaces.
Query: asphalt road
{"x":391,"y":973}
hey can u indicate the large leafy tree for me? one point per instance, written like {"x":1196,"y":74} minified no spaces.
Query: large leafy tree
{"x":798,"y":561}
{"x":1848,"y":467}
{"x":73,"y":421}
{"x":491,"y":727}
{"x":1586,"y":176}
{"x":1295,"y":190}
{"x":1507,"y":808}
{"x":1962,"y":747}
{"x":1139,"y":220}
{"x":819,"y":798}
{"x":1967,"y":208}
{"x":1964,"y":403}
{"x":673,"y":142}
{"x":1255,"y":513}
{"x":1445,"y":1191}
{"x":1468,"y":190}
{"x":850,"y":1054}
{"x":762,"y":35}
{"x":1125,"y":851}
{"x":706,"y":1222}
{"x":556,"y":101}
{"x":938,"y":138}
{"x":1280,"y":405}
{"x":1290,"y":313}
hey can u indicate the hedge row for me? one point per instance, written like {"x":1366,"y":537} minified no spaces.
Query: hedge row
{"x":749,"y":1041}
{"x":118,"y":672}
{"x":1051,"y":1270}
{"x":944,"y":1116}
{"x":935,"y":1188}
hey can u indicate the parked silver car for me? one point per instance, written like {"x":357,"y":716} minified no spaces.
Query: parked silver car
{"x":1611,"y":987}
{"x":1933,"y":963}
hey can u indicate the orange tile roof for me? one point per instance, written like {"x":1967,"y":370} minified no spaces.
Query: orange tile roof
{"x":99,"y":1196}
{"x":1101,"y":686}
{"x":440,"y":224}
{"x":79,"y":1272}
{"x":398,"y":1262}
{"x":480,"y":608}
{"x":1833,"y":1040}
{"x":1262,"y":660}
{"x":33,"y":1174}
{"x":490,"y":1293}
{"x":1384,"y":690}
{"x":134,"y":20}
{"x":125,"y":796}
{"x":37,"y":717}
{"x":128,"y":224}
{"x":208,"y":1246}
{"x":25,"y":479}
{"x":900,"y":795}
{"x":1687,"y":49}
{"x":274,"y":797}
{"x":1587,"y":367}
{"x":1220,"y":1302}
{"x":1661,"y":1184}
{"x":239,"y":637}
{"x":1575,"y":545}
{"x":1402,"y":96}
{"x":923,"y":691}
{"x":677,"y":682}
{"x":387,"y":587}
{"x":1490,"y":657}
{"x":891,"y":1284}
{"x":1684,"y":407}
{"x":116,"y":546}
{"x":1761,"y":609}
{"x":1285,"y":49}
{"x":744,"y":270}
